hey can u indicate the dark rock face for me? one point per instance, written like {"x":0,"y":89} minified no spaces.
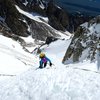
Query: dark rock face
{"x":37,"y":6}
{"x":6,"y":31}
{"x":40,"y":31}
{"x":12,"y":16}
{"x":15,"y":23}
{"x":50,"y":39}
{"x":75,"y":20}
{"x":18,"y":23}
{"x":57,"y":17}
{"x":75,"y":49}
{"x":84,"y":43}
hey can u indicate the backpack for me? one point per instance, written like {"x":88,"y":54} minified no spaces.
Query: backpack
{"x":44,"y":60}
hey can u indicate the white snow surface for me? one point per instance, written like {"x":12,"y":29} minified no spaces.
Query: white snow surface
{"x":19,"y":79}
{"x":13,"y":59}
{"x":33,"y":16}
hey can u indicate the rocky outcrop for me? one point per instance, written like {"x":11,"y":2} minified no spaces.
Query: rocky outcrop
{"x":19,"y":24}
{"x":85,"y":42}
{"x":40,"y":31}
{"x":76,"y":19}
{"x":58,"y":18}
{"x":13,"y":18}
{"x":6,"y":31}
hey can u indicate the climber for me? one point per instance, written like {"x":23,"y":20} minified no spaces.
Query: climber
{"x":44,"y":60}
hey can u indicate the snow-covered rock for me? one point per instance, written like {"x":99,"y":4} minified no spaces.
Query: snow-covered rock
{"x":85,"y":42}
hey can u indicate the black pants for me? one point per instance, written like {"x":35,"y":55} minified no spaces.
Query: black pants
{"x":43,"y":65}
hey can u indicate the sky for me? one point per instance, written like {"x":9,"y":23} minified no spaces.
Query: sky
{"x":19,"y":79}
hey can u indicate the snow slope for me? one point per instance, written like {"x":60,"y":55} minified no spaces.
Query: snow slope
{"x":52,"y":84}
{"x":13,"y":59}
{"x":58,"y":82}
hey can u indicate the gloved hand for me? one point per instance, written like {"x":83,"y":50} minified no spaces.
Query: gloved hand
{"x":50,"y":64}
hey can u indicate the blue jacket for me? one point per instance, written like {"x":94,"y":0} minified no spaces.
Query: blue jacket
{"x":44,"y":60}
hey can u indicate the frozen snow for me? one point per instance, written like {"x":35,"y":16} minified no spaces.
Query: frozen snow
{"x":12,"y":57}
{"x":59,"y":82}
{"x":28,"y":14}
